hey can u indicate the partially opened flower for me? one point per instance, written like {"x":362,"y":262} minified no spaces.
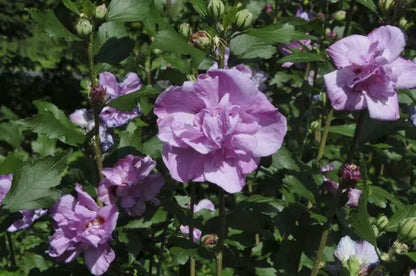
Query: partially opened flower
{"x":131,"y":181}
{"x":203,"y":204}
{"x":357,"y":257}
{"x":217,"y":128}
{"x":370,"y":70}
{"x":29,"y":217}
{"x":81,"y":226}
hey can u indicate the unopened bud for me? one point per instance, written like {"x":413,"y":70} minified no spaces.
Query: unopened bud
{"x":404,"y":24}
{"x":100,"y":11}
{"x":385,"y":5}
{"x":375,"y":230}
{"x":268,"y":8}
{"x":400,"y":248}
{"x":315,"y":125}
{"x":350,"y":174}
{"x":353,"y":266}
{"x":83,"y":27}
{"x":209,"y":240}
{"x":98,"y":95}
{"x":382,"y":222}
{"x":407,"y":229}
{"x":339,"y":15}
{"x":216,"y":8}
{"x":201,"y":40}
{"x":185,"y":30}
{"x":243,"y":19}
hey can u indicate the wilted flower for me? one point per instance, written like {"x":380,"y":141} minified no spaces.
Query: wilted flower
{"x":217,"y":128}
{"x":82,"y":226}
{"x":370,"y":70}
{"x":130,"y":181}
{"x":201,"y":40}
{"x":357,"y":258}
{"x":29,"y":217}
{"x":203,"y":204}
{"x":97,"y":94}
{"x":350,"y":174}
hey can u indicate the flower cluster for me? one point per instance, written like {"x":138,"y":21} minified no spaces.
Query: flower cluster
{"x":203,"y":204}
{"x":109,"y":116}
{"x":130,"y":181}
{"x":217,"y":128}
{"x":81,"y":226}
{"x":370,"y":70}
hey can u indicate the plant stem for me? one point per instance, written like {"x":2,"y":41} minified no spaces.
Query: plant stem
{"x":96,"y":108}
{"x":325,"y":135}
{"x":349,"y":17}
{"x":162,"y":246}
{"x":221,"y":234}
{"x":357,"y":131}
{"x":11,"y":249}
{"x":191,"y":228}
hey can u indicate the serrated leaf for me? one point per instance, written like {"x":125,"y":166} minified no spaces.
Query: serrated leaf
{"x":295,"y":186}
{"x":381,"y":194}
{"x":300,"y":56}
{"x":129,"y":101}
{"x":44,"y":145}
{"x":283,"y":159}
{"x":11,"y":163}
{"x":345,"y":130}
{"x":48,"y":22}
{"x":153,"y":147}
{"x":114,"y":50}
{"x":32,"y":186}
{"x":72,"y":6}
{"x":246,"y":46}
{"x":31,"y":260}
{"x":52,"y":122}
{"x":11,"y":133}
{"x":200,"y":6}
{"x":128,"y":10}
{"x":394,"y":221}
{"x":369,"y":4}
{"x":278,"y":33}
{"x":109,"y":30}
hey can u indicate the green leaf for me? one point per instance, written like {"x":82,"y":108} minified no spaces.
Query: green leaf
{"x":246,"y":46}
{"x":72,"y":6}
{"x":394,"y":221}
{"x":369,"y":4}
{"x":7,"y":114}
{"x":266,"y":271}
{"x":48,"y":22}
{"x":200,"y":6}
{"x":170,"y":41}
{"x":181,"y":255}
{"x":128,"y":10}
{"x":279,"y":33}
{"x":377,"y":194}
{"x":108,"y":30}
{"x":153,"y":147}
{"x":129,"y":101}
{"x":299,"y":56}
{"x":11,"y":133}
{"x":30,"y":260}
{"x":11,"y":163}
{"x":44,"y":145}
{"x":283,"y":159}
{"x":345,"y":130}
{"x":32,"y":184}
{"x":115,"y":50}
{"x":53,"y":122}
{"x":295,"y":186}
{"x":374,"y":129}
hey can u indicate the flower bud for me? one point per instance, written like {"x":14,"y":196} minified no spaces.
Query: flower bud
{"x":216,"y":8}
{"x":315,"y":125}
{"x":352,"y":265}
{"x":407,"y":229}
{"x":185,"y":30}
{"x":350,"y":174}
{"x":201,"y":40}
{"x":385,"y":5}
{"x":339,"y":15}
{"x":268,"y":9}
{"x":400,"y":248}
{"x":375,"y":230}
{"x":243,"y":19}
{"x":98,"y":95}
{"x":382,"y":222}
{"x":100,"y":11}
{"x":83,"y":27}
{"x":209,"y":240}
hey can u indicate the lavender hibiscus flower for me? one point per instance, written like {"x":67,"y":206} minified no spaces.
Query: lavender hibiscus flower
{"x":203,"y":204}
{"x":129,"y":179}
{"x":217,"y":128}
{"x":358,"y":258}
{"x":370,"y":70}
{"x":5,"y":184}
{"x":82,"y":226}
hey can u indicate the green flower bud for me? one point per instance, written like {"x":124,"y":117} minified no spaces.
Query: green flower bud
{"x":83,"y":27}
{"x":201,"y":40}
{"x":352,"y":265}
{"x":314,"y":125}
{"x":339,"y":15}
{"x":185,"y":30}
{"x":100,"y":11}
{"x":209,"y":240}
{"x":243,"y":19}
{"x":382,"y":222}
{"x":407,"y":229}
{"x":400,"y":248}
{"x":216,"y":8}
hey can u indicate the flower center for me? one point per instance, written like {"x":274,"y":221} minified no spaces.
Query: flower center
{"x":95,"y":223}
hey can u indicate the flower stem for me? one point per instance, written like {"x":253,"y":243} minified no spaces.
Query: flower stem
{"x":357,"y":131}
{"x":191,"y":227}
{"x":96,"y":108}
{"x":162,"y":247}
{"x":11,"y":251}
{"x":221,"y":234}
{"x":325,"y":135}
{"x":349,"y":17}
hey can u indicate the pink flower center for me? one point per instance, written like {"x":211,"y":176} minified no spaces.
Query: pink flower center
{"x":95,"y":223}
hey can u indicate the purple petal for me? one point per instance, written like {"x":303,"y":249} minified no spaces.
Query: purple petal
{"x":225,"y":174}
{"x":346,"y":248}
{"x":349,"y":50}
{"x":130,"y":84}
{"x":85,"y":199}
{"x":109,"y":82}
{"x":354,"y":197}
{"x":29,"y":216}
{"x":404,"y":71}
{"x":367,"y":255}
{"x":389,"y":41}
{"x":385,"y":109}
{"x":204,"y":204}
{"x":5,"y":185}
{"x":98,"y":259}
{"x":64,"y":208}
{"x":83,"y":118}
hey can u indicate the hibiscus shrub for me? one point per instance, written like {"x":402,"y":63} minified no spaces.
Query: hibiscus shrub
{"x":208,"y":137}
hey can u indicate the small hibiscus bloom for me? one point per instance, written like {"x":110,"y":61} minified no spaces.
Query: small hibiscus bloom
{"x":203,"y":204}
{"x":370,"y":70}
{"x":217,"y":128}
{"x":130,"y":181}
{"x":81,"y":226}
{"x":357,"y":257}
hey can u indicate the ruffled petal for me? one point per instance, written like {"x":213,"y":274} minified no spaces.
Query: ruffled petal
{"x":85,"y":199}
{"x":346,"y":248}
{"x":385,"y":109}
{"x":109,"y":82}
{"x":131,"y":83}
{"x":349,"y":50}
{"x":98,"y":259}
{"x":225,"y":174}
{"x":404,"y":71}
{"x":389,"y":42}
{"x":204,"y":204}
